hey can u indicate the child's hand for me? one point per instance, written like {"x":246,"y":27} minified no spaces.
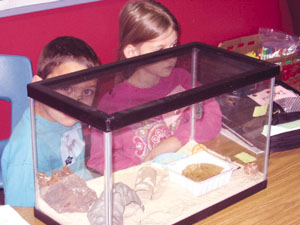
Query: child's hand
{"x":171,"y":144}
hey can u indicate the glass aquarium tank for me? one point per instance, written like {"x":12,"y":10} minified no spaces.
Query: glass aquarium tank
{"x":169,"y":137}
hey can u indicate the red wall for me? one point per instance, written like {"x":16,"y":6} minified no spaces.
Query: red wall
{"x":208,"y":21}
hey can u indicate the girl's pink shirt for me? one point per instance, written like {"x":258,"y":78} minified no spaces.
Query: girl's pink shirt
{"x":132,"y":143}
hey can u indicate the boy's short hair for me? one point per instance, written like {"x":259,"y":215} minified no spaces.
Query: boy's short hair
{"x":63,"y":49}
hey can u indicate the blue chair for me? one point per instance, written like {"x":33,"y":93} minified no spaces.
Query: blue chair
{"x":15,"y":74}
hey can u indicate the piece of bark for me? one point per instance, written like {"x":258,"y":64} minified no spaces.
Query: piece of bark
{"x":66,"y":192}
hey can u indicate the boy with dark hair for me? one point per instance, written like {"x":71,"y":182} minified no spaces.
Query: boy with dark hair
{"x":59,"y":136}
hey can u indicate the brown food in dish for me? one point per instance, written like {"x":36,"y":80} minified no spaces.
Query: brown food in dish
{"x":201,"y":171}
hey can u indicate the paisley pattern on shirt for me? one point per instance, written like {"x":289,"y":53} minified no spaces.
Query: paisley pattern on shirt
{"x":149,"y":133}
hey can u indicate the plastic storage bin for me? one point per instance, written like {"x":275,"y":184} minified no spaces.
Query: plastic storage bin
{"x":290,"y":66}
{"x":202,"y":96}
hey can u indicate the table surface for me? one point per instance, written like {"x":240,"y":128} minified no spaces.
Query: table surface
{"x":278,"y":204}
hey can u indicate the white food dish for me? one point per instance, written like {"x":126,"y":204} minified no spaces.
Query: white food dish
{"x":199,"y":188}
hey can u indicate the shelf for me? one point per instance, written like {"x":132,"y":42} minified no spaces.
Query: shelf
{"x":16,"y":7}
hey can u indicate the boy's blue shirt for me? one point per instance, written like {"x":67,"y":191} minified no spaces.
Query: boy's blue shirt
{"x":17,"y":163}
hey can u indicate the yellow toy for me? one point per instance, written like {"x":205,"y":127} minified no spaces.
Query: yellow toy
{"x":252,"y":54}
